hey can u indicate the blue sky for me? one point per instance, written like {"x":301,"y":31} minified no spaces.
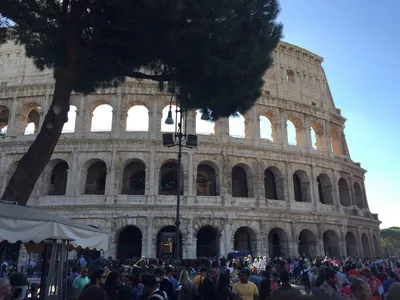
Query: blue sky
{"x":359,"y":40}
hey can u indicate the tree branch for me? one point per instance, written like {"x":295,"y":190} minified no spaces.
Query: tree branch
{"x":128,"y":72}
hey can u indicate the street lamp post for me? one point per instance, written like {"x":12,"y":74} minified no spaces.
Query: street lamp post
{"x":175,"y":139}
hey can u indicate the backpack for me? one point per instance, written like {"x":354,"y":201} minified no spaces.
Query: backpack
{"x":305,"y":277}
{"x":159,"y":295}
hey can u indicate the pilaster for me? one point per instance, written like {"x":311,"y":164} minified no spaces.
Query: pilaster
{"x":13,"y":129}
{"x":72,"y":174}
{"x":289,"y":193}
{"x":80,"y":117}
{"x":117,"y":115}
{"x":314,"y":189}
{"x":149,"y":238}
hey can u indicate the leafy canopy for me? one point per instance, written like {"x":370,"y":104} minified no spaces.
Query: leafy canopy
{"x":210,"y":53}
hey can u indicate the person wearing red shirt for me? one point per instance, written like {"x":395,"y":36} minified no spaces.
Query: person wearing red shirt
{"x":374,"y":283}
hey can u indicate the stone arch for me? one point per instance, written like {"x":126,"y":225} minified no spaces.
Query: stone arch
{"x":237,"y":126}
{"x":307,"y":243}
{"x":336,"y":142}
{"x":245,"y":239}
{"x":207,"y":244}
{"x":344,"y":192}
{"x":351,"y":245}
{"x":274,"y":184}
{"x":278,"y":242}
{"x":58,"y":178}
{"x":168,"y":178}
{"x":96,"y":177}
{"x":366,"y":246}
{"x":101,"y":116}
{"x":207,"y":179}
{"x":242,"y":181}
{"x":331,"y":243}
{"x":134,"y":178}
{"x":203,"y":126}
{"x":4,"y":118}
{"x":376,"y":245}
{"x":359,"y":196}
{"x":166,"y":242}
{"x":301,"y":186}
{"x":266,"y":127}
{"x":69,"y":126}
{"x":294,"y":131}
{"x":33,"y":118}
{"x":318,"y":139}
{"x":325,"y":189}
{"x":137,"y":118}
{"x":129,"y":243}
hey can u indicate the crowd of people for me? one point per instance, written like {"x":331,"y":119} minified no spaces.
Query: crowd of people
{"x":241,"y":278}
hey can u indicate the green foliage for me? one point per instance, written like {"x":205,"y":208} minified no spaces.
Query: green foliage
{"x":390,"y":238}
{"x":210,"y":53}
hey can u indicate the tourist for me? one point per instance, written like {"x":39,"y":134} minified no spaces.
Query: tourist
{"x":186,"y":289}
{"x":209,"y":288}
{"x":360,"y":290}
{"x":5,"y":288}
{"x":388,"y":282}
{"x":70,"y":281}
{"x":152,"y":284}
{"x":244,"y":288}
{"x":165,"y":283}
{"x":80,"y":282}
{"x":374,"y":283}
{"x":265,"y":289}
{"x":130,"y":283}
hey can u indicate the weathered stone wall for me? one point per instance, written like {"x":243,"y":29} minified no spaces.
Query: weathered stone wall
{"x":296,"y":89}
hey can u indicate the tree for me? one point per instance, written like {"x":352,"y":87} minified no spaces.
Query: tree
{"x":211,"y":54}
{"x":390,"y":238}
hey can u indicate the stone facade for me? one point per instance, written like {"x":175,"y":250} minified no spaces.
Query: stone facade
{"x":264,"y":196}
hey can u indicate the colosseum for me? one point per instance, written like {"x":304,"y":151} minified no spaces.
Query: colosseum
{"x":278,"y":180}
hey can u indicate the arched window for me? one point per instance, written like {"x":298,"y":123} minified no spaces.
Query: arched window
{"x":33,"y":122}
{"x":168,"y":179}
{"x":344,"y":192}
{"x":70,"y":125}
{"x":237,"y":126}
{"x":4,"y":114}
{"x":313,"y":138}
{"x":206,"y":180}
{"x":359,"y":196}
{"x":336,"y":142}
{"x":291,"y":133}
{"x":203,"y":126}
{"x":242,"y":184}
{"x":134,"y":179}
{"x":138,"y":118}
{"x":166,"y":127}
{"x":96,"y":178}
{"x":266,"y":128}
{"x":58,"y":179}
{"x":301,"y":185}
{"x":274,"y":184}
{"x":325,"y":189}
{"x":102,"y":118}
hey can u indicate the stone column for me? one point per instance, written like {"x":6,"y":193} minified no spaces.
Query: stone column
{"x":314,"y":188}
{"x":192,"y":172}
{"x":222,"y":129}
{"x":191,"y":243}
{"x":43,"y":111}
{"x":87,"y":115}
{"x":283,"y":135}
{"x":151,"y":182}
{"x":352,"y":192}
{"x":5,"y":172}
{"x":149,"y":238}
{"x":72,"y":174}
{"x":227,"y":237}
{"x":80,"y":175}
{"x":307,"y":133}
{"x":335,"y":190}
{"x":117,"y":115}
{"x":252,"y":125}
{"x":359,"y":243}
{"x":259,"y":185}
{"x":225,"y":178}
{"x":294,"y":243}
{"x":320,"y":240}
{"x":289,"y":193}
{"x":80,"y":116}
{"x":371,"y":243}
{"x":110,"y":178}
{"x":327,"y":139}
{"x":12,"y":126}
{"x":155,"y":120}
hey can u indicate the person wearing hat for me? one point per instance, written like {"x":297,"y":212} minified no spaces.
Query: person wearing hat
{"x":5,"y":288}
{"x":245,"y":289}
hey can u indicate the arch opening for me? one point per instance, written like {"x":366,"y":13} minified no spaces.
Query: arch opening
{"x":102,"y":117}
{"x":245,"y":240}
{"x":241,"y":182}
{"x":274,"y":184}
{"x":58,"y":179}
{"x":206,"y":181}
{"x":4,"y":115}
{"x":32,"y":126}
{"x":134,"y":179}
{"x":137,"y":118}
{"x":96,"y":179}
{"x":351,"y":245}
{"x":237,"y":126}
{"x":336,"y":142}
{"x":291,"y":133}
{"x":168,"y":179}
{"x":129,"y":243}
{"x":344,"y":192}
{"x":307,"y":243}
{"x":317,"y":136}
{"x":301,"y":186}
{"x":331,"y":244}
{"x":207,"y":244}
{"x":175,"y":116}
{"x":166,"y":242}
{"x":266,"y":129}
{"x":203,"y":126}
{"x":365,"y":245}
{"x":69,"y":126}
{"x":325,"y":189}
{"x":278,"y":242}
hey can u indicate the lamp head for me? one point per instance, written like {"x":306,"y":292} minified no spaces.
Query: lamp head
{"x":169,"y":120}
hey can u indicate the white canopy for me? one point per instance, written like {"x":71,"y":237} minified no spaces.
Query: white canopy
{"x":25,"y":224}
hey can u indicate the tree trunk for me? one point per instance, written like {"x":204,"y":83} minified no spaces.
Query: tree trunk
{"x":32,"y":164}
